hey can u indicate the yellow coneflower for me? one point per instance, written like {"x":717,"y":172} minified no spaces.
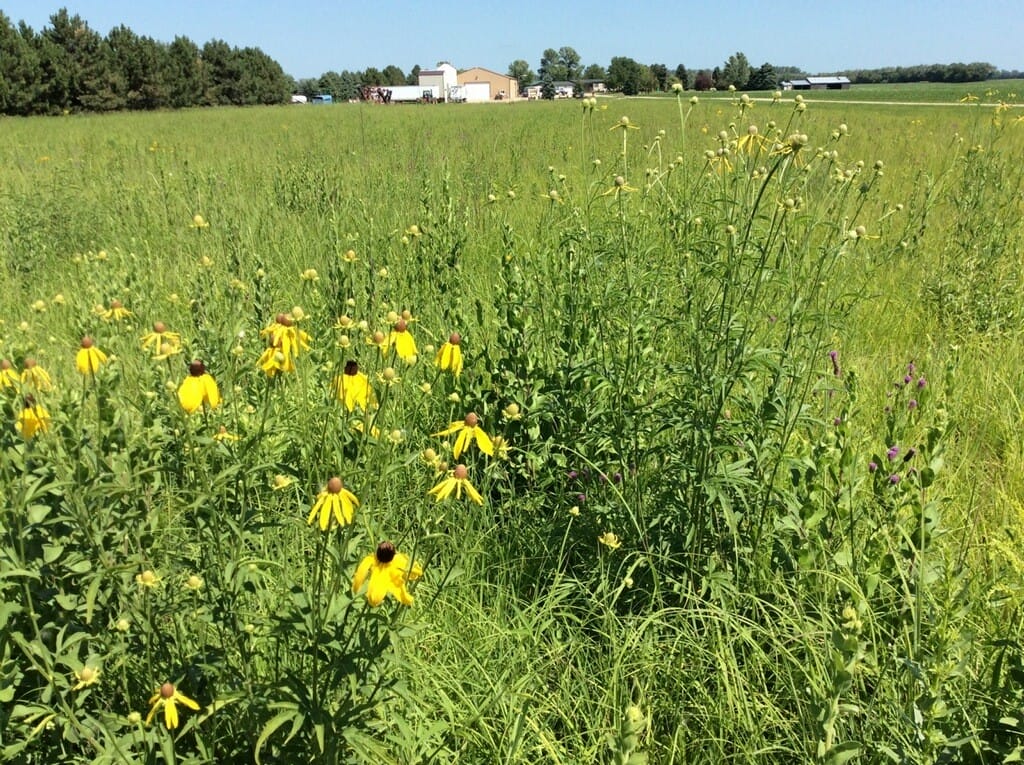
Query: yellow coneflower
{"x":35,"y":376}
{"x":8,"y":377}
{"x":388,"y":571}
{"x":335,"y":501}
{"x":449,"y":355}
{"x":155,"y":341}
{"x":168,"y":697}
{"x":198,"y":388}
{"x":116,"y":312}
{"x":33,"y":419}
{"x":456,"y":481}
{"x":283,"y":334}
{"x":85,"y":676}
{"x":89,"y":358}
{"x":469,"y":430}
{"x":352,"y":388}
{"x":403,"y":341}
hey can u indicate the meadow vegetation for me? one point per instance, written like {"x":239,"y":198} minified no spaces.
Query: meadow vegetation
{"x":678,"y":431}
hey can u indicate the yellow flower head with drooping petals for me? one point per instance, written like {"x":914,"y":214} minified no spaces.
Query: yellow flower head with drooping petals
{"x":33,"y":419}
{"x":89,"y":358}
{"x":8,"y":377}
{"x":456,"y":481}
{"x":274,"y":360}
{"x":225,"y":436}
{"x":469,"y":430}
{"x":449,"y":355}
{"x":116,"y":312}
{"x":352,"y":388}
{"x":168,"y":697}
{"x":388,"y":571}
{"x":85,"y":676}
{"x":284,"y":335}
{"x":336,"y":502}
{"x":610,"y":540}
{"x":155,"y":341}
{"x":35,"y":376}
{"x":198,"y":389}
{"x":624,"y":124}
{"x":401,"y":338}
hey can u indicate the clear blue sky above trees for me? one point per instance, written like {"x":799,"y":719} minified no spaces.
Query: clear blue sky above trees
{"x":310,"y":37}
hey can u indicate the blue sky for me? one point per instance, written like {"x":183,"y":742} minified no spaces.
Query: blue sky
{"x":310,"y":37}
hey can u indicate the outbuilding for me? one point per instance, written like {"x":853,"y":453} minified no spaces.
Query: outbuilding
{"x":817,"y":83}
{"x":443,"y":78}
{"x":499,"y":87}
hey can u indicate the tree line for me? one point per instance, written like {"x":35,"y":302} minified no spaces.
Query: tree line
{"x":630,"y":77}
{"x":69,"y":67}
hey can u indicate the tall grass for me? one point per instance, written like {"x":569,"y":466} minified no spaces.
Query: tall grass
{"x":754,"y":391}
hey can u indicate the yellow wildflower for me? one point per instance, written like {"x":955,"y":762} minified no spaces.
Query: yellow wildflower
{"x":334,"y":501}
{"x":274,"y":360}
{"x":624,"y":124}
{"x":449,"y":355}
{"x":198,"y":221}
{"x":403,"y":341}
{"x":223,"y":435}
{"x":469,"y":430}
{"x":168,"y":697}
{"x":85,"y":676}
{"x":147,"y":579}
{"x":610,"y":540}
{"x":619,"y":186}
{"x":285,"y":335}
{"x":198,"y":389}
{"x":154,"y":341}
{"x":8,"y":378}
{"x":457,"y":480}
{"x":116,"y":312}
{"x":89,"y":358}
{"x":33,"y":419}
{"x":35,"y":376}
{"x":389,"y":571}
{"x":353,"y":389}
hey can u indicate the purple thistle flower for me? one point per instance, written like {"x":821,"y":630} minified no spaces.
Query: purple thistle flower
{"x":907,"y":379}
{"x":834,"y":355}
{"x":617,"y":478}
{"x":921,"y":382}
{"x":912,"y":404}
{"x":581,"y":498}
{"x":837,"y":421}
{"x":893,"y":451}
{"x":911,"y":368}
{"x":894,"y":478}
{"x":872,"y":467}
{"x":573,"y":475}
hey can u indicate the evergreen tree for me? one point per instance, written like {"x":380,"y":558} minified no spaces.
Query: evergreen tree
{"x":20,"y":73}
{"x":683,"y":76}
{"x":763,"y":78}
{"x":184,"y":73}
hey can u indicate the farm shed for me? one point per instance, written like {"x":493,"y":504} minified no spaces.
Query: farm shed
{"x":499,"y":86}
{"x":563,"y":89}
{"x":817,"y":83}
{"x":443,"y":78}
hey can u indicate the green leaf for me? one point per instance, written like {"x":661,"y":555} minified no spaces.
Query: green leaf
{"x":842,"y":753}
{"x":292,"y":714}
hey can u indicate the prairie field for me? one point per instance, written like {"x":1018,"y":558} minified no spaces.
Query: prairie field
{"x":664,"y":430}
